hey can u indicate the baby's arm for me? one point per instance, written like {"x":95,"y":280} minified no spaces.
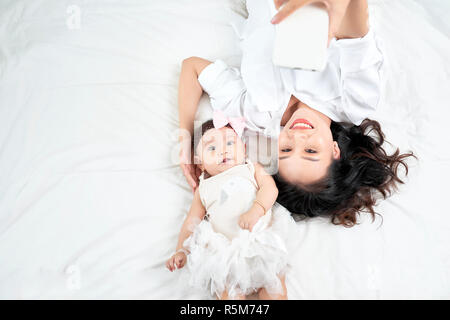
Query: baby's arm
{"x":196,"y":214}
{"x":268,"y":191}
{"x":265,"y":198}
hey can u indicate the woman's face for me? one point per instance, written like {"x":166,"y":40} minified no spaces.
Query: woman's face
{"x":306,"y":146}
{"x":219,"y":150}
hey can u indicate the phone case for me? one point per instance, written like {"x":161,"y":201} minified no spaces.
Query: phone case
{"x":301,"y":39}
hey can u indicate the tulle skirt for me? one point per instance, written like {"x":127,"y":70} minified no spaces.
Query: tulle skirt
{"x":242,"y":265}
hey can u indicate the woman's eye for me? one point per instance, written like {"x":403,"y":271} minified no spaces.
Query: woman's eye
{"x":230,"y":143}
{"x":310,"y":151}
{"x":211,"y":148}
{"x":286,"y":150}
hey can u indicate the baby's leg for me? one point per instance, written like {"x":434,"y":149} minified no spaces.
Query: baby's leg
{"x":225,"y":296}
{"x":264,"y":295}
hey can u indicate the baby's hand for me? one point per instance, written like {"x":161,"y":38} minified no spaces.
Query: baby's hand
{"x":250,"y":218}
{"x":176,"y":261}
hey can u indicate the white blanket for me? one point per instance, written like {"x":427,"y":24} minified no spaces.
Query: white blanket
{"x":91,"y":201}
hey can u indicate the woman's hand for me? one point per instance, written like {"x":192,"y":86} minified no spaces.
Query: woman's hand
{"x":192,"y":174}
{"x":176,"y":261}
{"x":190,"y":170}
{"x":250,"y":218}
{"x":336,"y":12}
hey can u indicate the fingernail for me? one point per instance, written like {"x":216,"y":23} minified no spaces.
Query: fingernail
{"x":274,"y":20}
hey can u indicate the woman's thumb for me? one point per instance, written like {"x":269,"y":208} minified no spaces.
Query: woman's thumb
{"x":278,"y":3}
{"x":284,"y":12}
{"x":288,"y":8}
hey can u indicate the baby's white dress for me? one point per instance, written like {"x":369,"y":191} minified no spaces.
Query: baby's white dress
{"x":347,"y":90}
{"x":222,"y":255}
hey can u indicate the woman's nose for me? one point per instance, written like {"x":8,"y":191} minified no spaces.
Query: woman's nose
{"x":299,"y":135}
{"x":296,"y":135}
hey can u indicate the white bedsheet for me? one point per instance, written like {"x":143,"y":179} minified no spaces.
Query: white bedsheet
{"x":91,"y":202}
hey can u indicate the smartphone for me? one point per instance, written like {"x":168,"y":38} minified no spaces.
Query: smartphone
{"x":301,"y":39}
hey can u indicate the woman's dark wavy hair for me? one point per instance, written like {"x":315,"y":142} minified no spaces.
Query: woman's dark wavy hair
{"x":354,"y":182}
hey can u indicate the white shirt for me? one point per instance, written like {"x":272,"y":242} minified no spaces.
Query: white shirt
{"x":347,"y":90}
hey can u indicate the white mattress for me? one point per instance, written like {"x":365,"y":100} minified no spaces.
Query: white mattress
{"x":91,"y":202}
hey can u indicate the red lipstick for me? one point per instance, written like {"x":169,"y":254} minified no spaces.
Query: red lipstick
{"x":301,"y":121}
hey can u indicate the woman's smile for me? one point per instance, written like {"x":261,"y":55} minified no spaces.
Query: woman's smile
{"x":301,"y":124}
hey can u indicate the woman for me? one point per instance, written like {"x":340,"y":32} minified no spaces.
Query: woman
{"x":328,"y":163}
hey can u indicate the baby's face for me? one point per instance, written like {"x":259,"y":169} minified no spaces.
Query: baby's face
{"x":220,"y":149}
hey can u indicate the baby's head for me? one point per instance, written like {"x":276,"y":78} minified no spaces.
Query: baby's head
{"x":218,"y":149}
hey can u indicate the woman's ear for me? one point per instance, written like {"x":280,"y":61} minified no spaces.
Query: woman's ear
{"x":336,"y":151}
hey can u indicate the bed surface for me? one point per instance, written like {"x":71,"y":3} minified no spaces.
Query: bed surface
{"x":91,"y":201}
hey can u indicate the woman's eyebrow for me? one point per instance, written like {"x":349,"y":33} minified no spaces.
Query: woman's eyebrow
{"x":306,"y":158}
{"x":310,"y":159}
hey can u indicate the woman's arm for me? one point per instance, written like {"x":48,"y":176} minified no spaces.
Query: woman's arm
{"x":190,"y":91}
{"x":348,"y":18}
{"x":355,"y":23}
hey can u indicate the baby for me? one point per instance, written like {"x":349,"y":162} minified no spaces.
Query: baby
{"x":226,"y":239}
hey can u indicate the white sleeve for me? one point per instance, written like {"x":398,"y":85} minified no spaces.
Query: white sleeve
{"x":222,"y":83}
{"x":360,"y":65}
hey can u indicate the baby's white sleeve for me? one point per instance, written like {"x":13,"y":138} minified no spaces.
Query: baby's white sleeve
{"x":360,"y":63}
{"x":223,"y":84}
